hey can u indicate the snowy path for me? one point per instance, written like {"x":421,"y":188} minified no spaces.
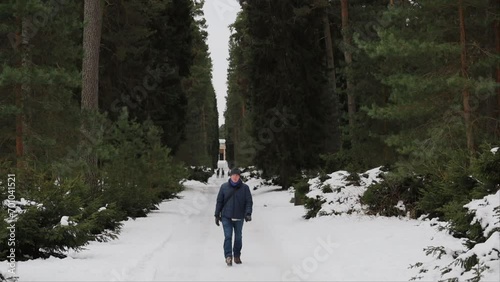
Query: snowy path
{"x":195,"y":252}
{"x":180,"y":242}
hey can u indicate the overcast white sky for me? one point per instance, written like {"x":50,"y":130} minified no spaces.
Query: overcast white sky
{"x":219,"y":15}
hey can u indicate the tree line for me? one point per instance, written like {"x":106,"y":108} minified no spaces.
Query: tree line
{"x":316,"y":86}
{"x":103,"y":105}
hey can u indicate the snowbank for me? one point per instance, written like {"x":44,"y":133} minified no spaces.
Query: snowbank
{"x":341,"y":193}
{"x":487,"y":212}
{"x":458,"y":263}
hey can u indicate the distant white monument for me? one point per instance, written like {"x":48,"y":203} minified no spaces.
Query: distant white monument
{"x":222,"y":163}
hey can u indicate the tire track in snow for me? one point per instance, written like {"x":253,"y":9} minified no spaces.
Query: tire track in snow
{"x":148,"y":273}
{"x":193,"y":249}
{"x":171,"y":261}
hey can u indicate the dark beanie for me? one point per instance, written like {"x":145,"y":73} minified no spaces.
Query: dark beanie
{"x":235,"y":171}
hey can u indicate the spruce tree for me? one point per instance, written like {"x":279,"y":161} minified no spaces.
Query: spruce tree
{"x":201,"y":145}
{"x":146,"y":53}
{"x":363,"y":145}
{"x":288,"y":86}
{"x":240,"y":146}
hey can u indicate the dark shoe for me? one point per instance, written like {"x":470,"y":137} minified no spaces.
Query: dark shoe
{"x":237,"y":260}
{"x":229,"y":261}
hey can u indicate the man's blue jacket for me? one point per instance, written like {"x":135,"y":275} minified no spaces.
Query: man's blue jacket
{"x":240,"y":203}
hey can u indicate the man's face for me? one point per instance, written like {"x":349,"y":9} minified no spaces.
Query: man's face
{"x":235,"y":177}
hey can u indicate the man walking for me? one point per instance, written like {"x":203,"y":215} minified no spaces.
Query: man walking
{"x":234,"y":204}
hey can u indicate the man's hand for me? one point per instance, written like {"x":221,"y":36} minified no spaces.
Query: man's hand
{"x":217,"y":219}
{"x":248,"y":217}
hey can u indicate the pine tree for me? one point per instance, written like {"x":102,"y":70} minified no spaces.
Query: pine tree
{"x":44,"y":64}
{"x":90,"y":79}
{"x":91,"y":44}
{"x":422,"y":45}
{"x":46,"y":76}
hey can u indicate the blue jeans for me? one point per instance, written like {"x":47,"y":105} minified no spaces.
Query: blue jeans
{"x":228,"y":226}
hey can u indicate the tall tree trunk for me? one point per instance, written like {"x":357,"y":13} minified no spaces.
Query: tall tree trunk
{"x":332,"y":81}
{"x":351,"y":103}
{"x":90,"y":78}
{"x":465,"y":91}
{"x":91,"y":43}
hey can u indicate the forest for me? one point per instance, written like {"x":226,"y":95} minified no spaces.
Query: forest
{"x":106,"y":106}
{"x":413,"y":87}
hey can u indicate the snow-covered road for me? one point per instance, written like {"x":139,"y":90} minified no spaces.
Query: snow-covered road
{"x":191,"y":247}
{"x":180,"y":242}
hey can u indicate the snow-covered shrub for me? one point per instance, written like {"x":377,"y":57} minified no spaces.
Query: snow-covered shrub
{"x":250,"y":172}
{"x":50,"y":216}
{"x":395,"y":196}
{"x":301,"y":188}
{"x":486,"y":212}
{"x":135,"y":173}
{"x":199,"y":173}
{"x":313,"y":206}
{"x":446,"y":197}
{"x":8,"y":277}
{"x":254,"y":179}
{"x":472,"y":261}
{"x":487,"y":169}
{"x":339,"y":192}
